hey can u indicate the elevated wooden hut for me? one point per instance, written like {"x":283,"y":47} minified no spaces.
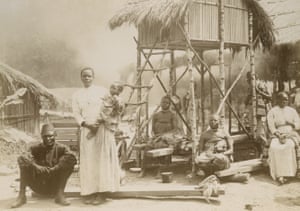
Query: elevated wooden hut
{"x":166,"y":26}
{"x":23,"y":116}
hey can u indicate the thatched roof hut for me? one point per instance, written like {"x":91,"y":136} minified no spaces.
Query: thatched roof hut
{"x":15,"y":79}
{"x":25,"y":114}
{"x":168,"y":13}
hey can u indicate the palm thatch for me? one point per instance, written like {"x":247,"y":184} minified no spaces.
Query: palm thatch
{"x":168,"y":12}
{"x":16,"y":79}
{"x":136,"y":12}
{"x":263,"y":26}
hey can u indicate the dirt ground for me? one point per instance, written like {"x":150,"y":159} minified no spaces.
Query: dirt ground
{"x":260,"y":193}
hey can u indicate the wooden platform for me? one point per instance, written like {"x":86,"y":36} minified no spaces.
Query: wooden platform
{"x":151,"y":191}
{"x":241,"y":167}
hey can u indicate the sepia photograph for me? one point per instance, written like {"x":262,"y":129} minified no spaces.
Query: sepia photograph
{"x":132,"y":105}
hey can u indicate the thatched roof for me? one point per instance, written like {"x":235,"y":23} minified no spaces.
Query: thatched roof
{"x":168,"y":12}
{"x":16,"y":79}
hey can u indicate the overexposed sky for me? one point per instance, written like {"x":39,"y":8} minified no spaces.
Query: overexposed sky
{"x":83,"y":25}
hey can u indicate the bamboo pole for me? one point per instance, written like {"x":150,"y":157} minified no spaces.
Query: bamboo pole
{"x":202,"y":95}
{"x":252,"y":70}
{"x":231,"y":87}
{"x":221,"y":58}
{"x":229,"y":97}
{"x":193,"y":118}
{"x":211,"y":93}
{"x":172,"y":79}
{"x":139,"y":98}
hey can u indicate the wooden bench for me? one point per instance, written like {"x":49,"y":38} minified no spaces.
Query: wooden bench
{"x":150,"y":155}
{"x":68,"y":133}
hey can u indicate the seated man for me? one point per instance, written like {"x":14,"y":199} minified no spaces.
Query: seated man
{"x":215,"y":148}
{"x":165,"y":127}
{"x":45,"y":169}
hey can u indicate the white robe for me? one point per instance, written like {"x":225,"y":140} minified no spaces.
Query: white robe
{"x":86,"y":107}
{"x":282,"y":157}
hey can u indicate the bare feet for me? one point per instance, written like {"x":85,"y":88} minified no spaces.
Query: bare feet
{"x":98,"y":200}
{"x":61,"y":200}
{"x":282,"y":180}
{"x":89,"y":199}
{"x":19,"y":202}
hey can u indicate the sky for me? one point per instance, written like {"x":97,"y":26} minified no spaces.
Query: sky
{"x":77,"y":31}
{"x":80,"y":25}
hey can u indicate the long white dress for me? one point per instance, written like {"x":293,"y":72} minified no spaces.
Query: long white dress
{"x":109,"y":172}
{"x":282,"y":157}
{"x":86,"y":107}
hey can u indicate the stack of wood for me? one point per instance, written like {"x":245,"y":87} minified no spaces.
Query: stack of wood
{"x":241,"y":167}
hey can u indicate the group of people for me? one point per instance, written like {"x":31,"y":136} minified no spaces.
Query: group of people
{"x":48,"y":165}
{"x":216,"y":146}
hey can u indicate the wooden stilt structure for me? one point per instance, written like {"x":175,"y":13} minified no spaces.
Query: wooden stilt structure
{"x":197,"y":26}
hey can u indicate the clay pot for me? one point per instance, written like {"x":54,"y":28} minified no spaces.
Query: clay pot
{"x":167,"y":177}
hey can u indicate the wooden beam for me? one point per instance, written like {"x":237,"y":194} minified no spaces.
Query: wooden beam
{"x":253,"y":77}
{"x":139,"y":97}
{"x":138,"y":87}
{"x":172,"y":77}
{"x":152,"y":191}
{"x":202,"y":95}
{"x":241,"y":167}
{"x":193,"y":110}
{"x":221,"y":59}
{"x":211,"y":94}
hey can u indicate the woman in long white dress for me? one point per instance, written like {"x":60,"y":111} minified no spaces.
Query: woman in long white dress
{"x":283,"y":121}
{"x":86,"y":108}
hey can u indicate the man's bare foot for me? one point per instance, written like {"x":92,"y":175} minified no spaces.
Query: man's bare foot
{"x":19,"y":202}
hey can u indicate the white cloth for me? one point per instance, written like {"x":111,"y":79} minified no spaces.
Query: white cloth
{"x":109,"y":171}
{"x":86,"y":107}
{"x":282,"y":157}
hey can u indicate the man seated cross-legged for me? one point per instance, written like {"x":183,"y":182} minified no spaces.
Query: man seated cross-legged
{"x":214,"y":152}
{"x":45,"y":169}
{"x":214,"y":149}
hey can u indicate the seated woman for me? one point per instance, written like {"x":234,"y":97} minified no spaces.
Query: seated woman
{"x":165,"y":128}
{"x":283,"y":121}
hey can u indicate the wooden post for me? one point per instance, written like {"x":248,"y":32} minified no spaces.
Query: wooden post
{"x":172,"y":80}
{"x":211,"y":93}
{"x":193,"y":113}
{"x":221,"y":58}
{"x":230,"y":100}
{"x":252,"y":70}
{"x":139,"y":98}
{"x":202,"y":95}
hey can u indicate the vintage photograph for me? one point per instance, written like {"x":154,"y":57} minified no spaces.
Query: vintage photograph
{"x":150,"y":105}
